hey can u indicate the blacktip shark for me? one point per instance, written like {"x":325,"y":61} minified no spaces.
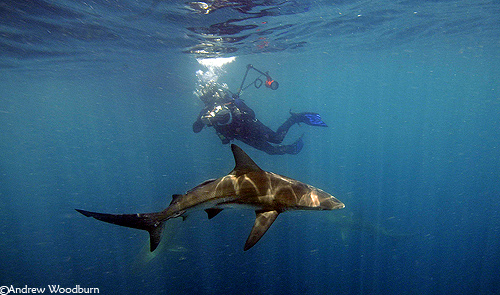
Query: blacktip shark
{"x":246,"y":186}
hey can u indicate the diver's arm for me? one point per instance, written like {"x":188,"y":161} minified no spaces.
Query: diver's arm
{"x":246,"y":110}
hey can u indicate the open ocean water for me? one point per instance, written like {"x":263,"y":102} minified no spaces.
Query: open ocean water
{"x":96,"y":111}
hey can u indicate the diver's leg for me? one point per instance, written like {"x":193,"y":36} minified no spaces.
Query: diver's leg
{"x":279,"y":135}
{"x":262,"y":132}
{"x":260,"y":136}
{"x":265,"y":146}
{"x":270,"y":149}
{"x":313,"y":119}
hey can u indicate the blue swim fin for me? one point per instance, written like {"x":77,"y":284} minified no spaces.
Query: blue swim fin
{"x":313,"y":119}
{"x":295,"y":147}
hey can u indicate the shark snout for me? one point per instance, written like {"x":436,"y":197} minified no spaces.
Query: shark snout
{"x":331,"y":204}
{"x":327,"y":201}
{"x":317,"y":199}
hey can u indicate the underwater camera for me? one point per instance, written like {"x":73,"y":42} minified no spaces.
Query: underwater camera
{"x":269,"y":83}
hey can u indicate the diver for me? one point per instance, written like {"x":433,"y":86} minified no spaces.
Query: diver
{"x":233,"y":119}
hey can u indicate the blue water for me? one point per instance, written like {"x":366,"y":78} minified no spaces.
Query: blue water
{"x":96,"y":113}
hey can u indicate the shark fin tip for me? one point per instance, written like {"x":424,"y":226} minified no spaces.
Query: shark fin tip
{"x":83,"y":212}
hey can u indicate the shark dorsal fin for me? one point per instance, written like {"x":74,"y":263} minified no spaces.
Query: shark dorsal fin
{"x":244,"y":163}
{"x":175,"y":198}
{"x":263,"y":221}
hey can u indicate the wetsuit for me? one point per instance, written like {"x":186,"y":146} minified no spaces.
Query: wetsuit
{"x":238,"y":121}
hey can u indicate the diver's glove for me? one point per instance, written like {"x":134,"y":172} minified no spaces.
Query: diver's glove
{"x":198,"y":126}
{"x":313,"y":119}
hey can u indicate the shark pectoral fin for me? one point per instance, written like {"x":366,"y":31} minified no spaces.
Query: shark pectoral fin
{"x":212,"y":212}
{"x":262,"y":223}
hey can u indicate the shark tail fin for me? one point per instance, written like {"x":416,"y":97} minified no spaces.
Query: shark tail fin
{"x":147,"y":221}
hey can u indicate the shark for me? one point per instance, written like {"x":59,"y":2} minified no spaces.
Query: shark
{"x":246,"y":186}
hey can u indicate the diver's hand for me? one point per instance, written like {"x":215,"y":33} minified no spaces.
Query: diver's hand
{"x":198,"y":126}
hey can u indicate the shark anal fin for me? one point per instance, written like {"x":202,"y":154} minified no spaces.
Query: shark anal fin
{"x":212,"y":212}
{"x":263,"y":221}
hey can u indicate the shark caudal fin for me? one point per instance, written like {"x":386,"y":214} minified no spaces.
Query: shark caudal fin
{"x":147,"y":222}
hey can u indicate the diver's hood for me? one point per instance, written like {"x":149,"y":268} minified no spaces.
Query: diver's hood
{"x":214,"y":93}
